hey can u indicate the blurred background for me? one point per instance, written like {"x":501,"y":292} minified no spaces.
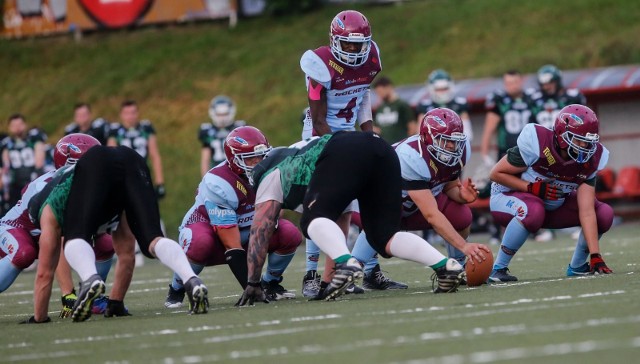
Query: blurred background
{"x":173,"y":57}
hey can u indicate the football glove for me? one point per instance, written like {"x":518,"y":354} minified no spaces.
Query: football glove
{"x":160,"y":191}
{"x":545,"y":190}
{"x":253,"y":293}
{"x":598,"y":266}
{"x":68,"y":301}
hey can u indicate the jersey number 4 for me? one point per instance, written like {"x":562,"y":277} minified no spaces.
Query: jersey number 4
{"x":347,"y":112}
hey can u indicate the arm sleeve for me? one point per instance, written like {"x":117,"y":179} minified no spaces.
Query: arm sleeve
{"x":364,"y":114}
{"x":514,"y":158}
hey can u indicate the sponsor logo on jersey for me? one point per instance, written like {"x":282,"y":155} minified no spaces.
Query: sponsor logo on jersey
{"x":520,"y":211}
{"x":510,"y":203}
{"x":245,"y":219}
{"x":241,"y":188}
{"x":360,"y":79}
{"x":217,"y":212}
{"x":547,"y":153}
{"x":336,"y":67}
{"x":353,"y":91}
{"x":433,"y":165}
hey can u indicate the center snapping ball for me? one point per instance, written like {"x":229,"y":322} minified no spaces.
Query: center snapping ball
{"x":477,"y":274}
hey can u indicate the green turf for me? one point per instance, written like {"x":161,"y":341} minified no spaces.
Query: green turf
{"x":174,"y":71}
{"x":544,"y":317}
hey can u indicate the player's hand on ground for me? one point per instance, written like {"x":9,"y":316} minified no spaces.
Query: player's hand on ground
{"x":468,"y":191}
{"x":68,"y":301}
{"x":545,"y":190}
{"x":598,"y":266}
{"x":253,"y":293}
{"x":476,"y":252}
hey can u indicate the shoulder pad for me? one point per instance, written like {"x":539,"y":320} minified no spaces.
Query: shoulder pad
{"x":537,"y":95}
{"x":239,"y":123}
{"x":573,"y":92}
{"x":530,"y":91}
{"x":145,"y":122}
{"x":69,"y":128}
{"x":460,"y":100}
{"x":205,"y":126}
{"x":99,"y":122}
{"x":313,"y":66}
{"x":115,"y":126}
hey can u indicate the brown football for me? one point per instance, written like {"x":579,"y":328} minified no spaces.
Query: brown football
{"x":477,"y":274}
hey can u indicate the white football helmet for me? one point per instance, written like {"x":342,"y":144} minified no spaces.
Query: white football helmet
{"x":222,"y":111}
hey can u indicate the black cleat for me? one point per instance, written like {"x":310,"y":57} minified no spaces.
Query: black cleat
{"x":311,"y":284}
{"x":345,"y":274}
{"x":502,"y":275}
{"x":89,"y":291}
{"x":377,"y":280}
{"x":197,"y":293}
{"x":275,"y":292}
{"x":447,"y":279}
{"x":174,"y":297}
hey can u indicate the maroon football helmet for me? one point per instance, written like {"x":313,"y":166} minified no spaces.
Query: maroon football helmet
{"x":244,"y":142}
{"x":350,"y":26}
{"x":71,"y":147}
{"x":441,"y":132}
{"x":576,"y":129}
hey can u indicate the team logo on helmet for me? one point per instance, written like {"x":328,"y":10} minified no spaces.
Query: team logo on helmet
{"x":340,"y":23}
{"x":438,"y":120}
{"x":576,"y":118}
{"x":240,"y":140}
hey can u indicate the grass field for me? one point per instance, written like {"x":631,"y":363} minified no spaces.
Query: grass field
{"x":174,"y":71}
{"x":543,"y":317}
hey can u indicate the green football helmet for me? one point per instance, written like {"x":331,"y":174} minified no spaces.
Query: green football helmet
{"x":440,"y":86}
{"x":550,"y":73}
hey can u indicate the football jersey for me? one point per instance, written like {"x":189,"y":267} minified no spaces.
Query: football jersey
{"x":514,"y":114}
{"x":392,"y":118}
{"x":224,"y":199}
{"x":457,"y":104}
{"x":18,"y":216}
{"x":548,"y":107}
{"x":99,"y":129}
{"x":537,"y":148}
{"x":421,"y":171}
{"x":295,"y":164}
{"x":136,"y":138}
{"x":213,"y":138}
{"x":346,"y":87}
{"x":22,"y":163}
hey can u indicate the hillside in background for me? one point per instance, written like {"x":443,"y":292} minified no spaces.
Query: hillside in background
{"x":174,"y":71}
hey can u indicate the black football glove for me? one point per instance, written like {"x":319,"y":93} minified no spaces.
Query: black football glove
{"x":160,"y":191}
{"x":253,"y":293}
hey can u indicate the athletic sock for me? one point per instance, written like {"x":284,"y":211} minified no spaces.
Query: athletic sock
{"x":276,"y":265}
{"x":103,"y":267}
{"x":237,"y":261}
{"x":411,"y":247}
{"x":328,"y":237}
{"x":81,"y":258}
{"x":514,"y":237}
{"x":176,"y":282}
{"x":313,"y":255}
{"x":364,"y":253}
{"x":171,"y":254}
{"x":581,"y":254}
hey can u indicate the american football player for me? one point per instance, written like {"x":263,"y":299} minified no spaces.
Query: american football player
{"x":547,"y":181}
{"x":215,"y":230}
{"x":23,"y":156}
{"x":553,"y":96}
{"x":441,"y":94}
{"x":302,"y":178}
{"x":434,"y":197}
{"x":338,"y":79}
{"x":106,"y":186}
{"x":140,"y":136}
{"x":222,"y":111}
{"x":83,"y":122}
